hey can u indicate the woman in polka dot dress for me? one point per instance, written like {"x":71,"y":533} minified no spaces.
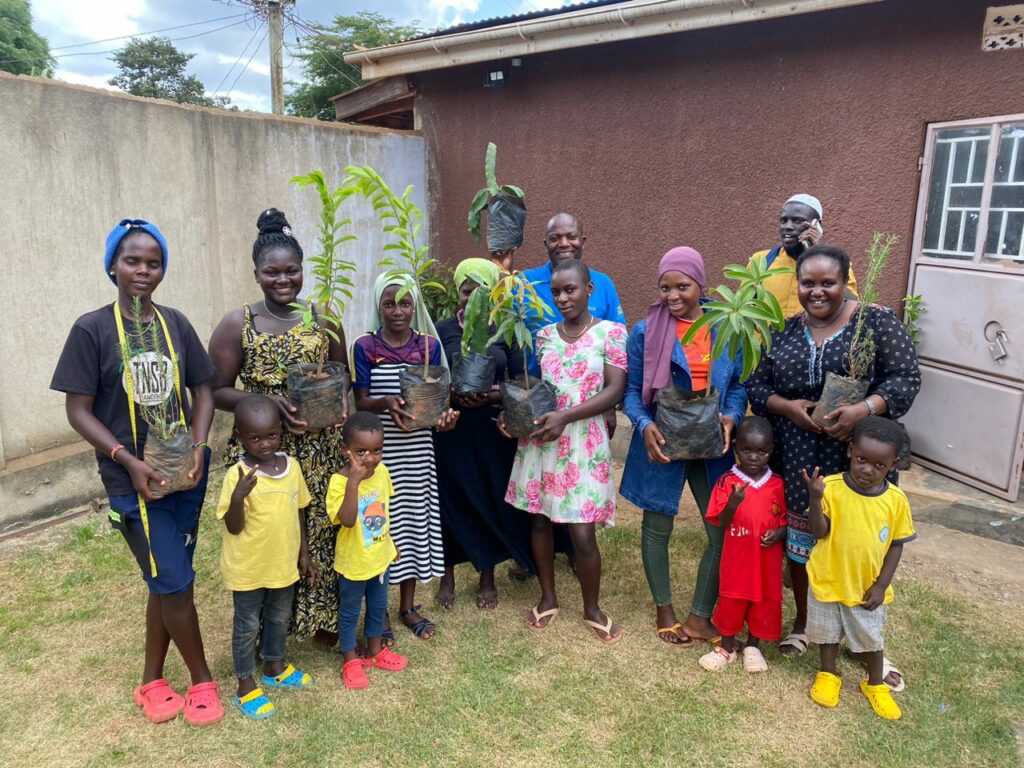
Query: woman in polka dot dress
{"x":789,"y":382}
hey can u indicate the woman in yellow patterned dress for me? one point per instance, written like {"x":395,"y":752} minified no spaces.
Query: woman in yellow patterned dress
{"x":255,"y":343}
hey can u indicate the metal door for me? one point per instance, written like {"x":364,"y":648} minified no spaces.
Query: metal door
{"x":968,"y":266}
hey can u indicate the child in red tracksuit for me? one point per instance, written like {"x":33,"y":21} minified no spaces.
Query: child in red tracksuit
{"x":748,"y":501}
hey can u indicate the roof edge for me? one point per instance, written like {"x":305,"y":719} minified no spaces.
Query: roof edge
{"x":628,"y":20}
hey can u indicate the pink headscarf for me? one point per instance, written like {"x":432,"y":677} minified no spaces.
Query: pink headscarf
{"x":660,"y":335}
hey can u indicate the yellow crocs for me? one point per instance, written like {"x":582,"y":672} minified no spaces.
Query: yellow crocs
{"x":825,"y":690}
{"x":881,"y":700}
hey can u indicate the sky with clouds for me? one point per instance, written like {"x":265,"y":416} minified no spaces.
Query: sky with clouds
{"x":230,"y":47}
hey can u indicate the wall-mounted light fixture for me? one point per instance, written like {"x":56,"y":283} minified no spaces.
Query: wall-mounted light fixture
{"x":496,"y":76}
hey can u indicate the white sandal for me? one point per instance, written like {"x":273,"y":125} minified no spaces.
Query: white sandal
{"x":753,"y":660}
{"x":717,"y":659}
{"x":887,"y":667}
{"x":794,"y":640}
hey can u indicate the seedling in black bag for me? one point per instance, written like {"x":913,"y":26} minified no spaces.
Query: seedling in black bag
{"x":514,"y":300}
{"x":741,"y":322}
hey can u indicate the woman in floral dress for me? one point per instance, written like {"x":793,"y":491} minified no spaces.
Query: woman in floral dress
{"x":255,"y":343}
{"x":562,"y":474}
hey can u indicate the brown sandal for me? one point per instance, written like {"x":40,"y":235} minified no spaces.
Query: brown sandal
{"x":676,"y":631}
{"x":607,"y":637}
{"x":534,"y":617}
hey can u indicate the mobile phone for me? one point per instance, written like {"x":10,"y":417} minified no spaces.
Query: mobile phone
{"x":815,"y":224}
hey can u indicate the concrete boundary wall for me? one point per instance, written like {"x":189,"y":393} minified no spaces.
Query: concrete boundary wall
{"x":75,"y":160}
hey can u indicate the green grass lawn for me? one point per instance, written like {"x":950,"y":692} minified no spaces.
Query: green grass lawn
{"x":486,"y":691}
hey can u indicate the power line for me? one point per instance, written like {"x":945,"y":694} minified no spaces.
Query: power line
{"x":303,"y":26}
{"x":329,"y":63}
{"x":240,"y":55}
{"x":115,"y":50}
{"x":151,"y":32}
{"x":242,"y":72}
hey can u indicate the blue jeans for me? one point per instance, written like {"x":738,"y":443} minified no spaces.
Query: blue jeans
{"x":274,"y":607}
{"x":350,"y":600}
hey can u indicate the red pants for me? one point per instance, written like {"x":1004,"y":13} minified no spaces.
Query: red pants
{"x":764,"y":618}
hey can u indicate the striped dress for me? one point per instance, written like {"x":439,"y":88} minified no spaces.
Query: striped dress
{"x":409,"y":456}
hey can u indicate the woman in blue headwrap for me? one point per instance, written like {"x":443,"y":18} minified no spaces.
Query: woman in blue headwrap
{"x":474,"y":462}
{"x":112,"y":376}
{"x":404,"y":334}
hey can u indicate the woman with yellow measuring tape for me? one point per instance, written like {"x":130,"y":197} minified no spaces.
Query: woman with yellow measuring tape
{"x":118,"y":361}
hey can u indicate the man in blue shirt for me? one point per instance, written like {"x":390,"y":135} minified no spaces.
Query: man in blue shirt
{"x":565,"y":240}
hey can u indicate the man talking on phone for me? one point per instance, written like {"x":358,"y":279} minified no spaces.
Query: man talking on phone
{"x":800,"y":227}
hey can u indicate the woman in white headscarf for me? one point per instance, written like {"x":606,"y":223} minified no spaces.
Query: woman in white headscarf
{"x":404,"y":335}
{"x":474,"y":462}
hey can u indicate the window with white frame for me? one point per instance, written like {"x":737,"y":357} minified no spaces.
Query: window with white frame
{"x":975,"y":206}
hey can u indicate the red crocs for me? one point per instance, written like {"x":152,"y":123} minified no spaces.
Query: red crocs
{"x":159,"y":703}
{"x":353,"y":675}
{"x":202,"y":705}
{"x":387,"y":660}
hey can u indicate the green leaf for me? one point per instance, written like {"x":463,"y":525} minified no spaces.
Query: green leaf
{"x":736,"y":272}
{"x":475,"y":209}
{"x":513,"y":190}
{"x":701,"y":322}
{"x":490,"y":162}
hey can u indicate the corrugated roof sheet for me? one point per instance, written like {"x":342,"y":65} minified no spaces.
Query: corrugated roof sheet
{"x":497,"y":21}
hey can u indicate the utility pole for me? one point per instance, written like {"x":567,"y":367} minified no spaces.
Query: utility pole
{"x":275,"y":13}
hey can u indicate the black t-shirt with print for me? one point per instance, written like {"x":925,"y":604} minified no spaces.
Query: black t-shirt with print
{"x":91,"y":365}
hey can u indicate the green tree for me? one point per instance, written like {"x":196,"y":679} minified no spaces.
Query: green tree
{"x":22,"y":50}
{"x":323,"y":63}
{"x":153,"y":67}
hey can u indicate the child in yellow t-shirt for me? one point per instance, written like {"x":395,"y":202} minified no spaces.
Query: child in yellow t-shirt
{"x":263,"y":552}
{"x":358,"y":500}
{"x":861,"y":523}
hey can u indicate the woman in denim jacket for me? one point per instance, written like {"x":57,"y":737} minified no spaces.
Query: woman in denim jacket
{"x":653,"y":482}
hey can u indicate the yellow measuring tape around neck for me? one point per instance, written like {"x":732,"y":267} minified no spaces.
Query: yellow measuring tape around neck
{"x":129,"y":386}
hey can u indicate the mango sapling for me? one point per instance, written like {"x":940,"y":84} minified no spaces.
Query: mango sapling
{"x":740,"y":322}
{"x":319,"y":389}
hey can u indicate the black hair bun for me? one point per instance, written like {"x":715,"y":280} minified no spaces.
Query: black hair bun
{"x":272,"y":221}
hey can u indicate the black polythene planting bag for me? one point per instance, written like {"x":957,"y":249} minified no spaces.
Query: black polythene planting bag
{"x":688,"y":421}
{"x":506,"y":222}
{"x":425,"y":398}
{"x":523,"y":407}
{"x":473,"y":374}
{"x":320,"y":400}
{"x":838,"y":390}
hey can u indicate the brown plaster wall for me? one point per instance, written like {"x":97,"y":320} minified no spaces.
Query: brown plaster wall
{"x":697,"y":138}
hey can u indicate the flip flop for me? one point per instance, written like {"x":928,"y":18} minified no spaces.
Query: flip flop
{"x":290,"y":678}
{"x":888,"y":667}
{"x":518,"y":573}
{"x":676,"y":630}
{"x":255,"y":705}
{"x":202,"y":705}
{"x":881,"y":700}
{"x":388,"y":637}
{"x":537,"y":617}
{"x":158,"y":701}
{"x":604,"y":631}
{"x":753,"y":660}
{"x":795,"y":640}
